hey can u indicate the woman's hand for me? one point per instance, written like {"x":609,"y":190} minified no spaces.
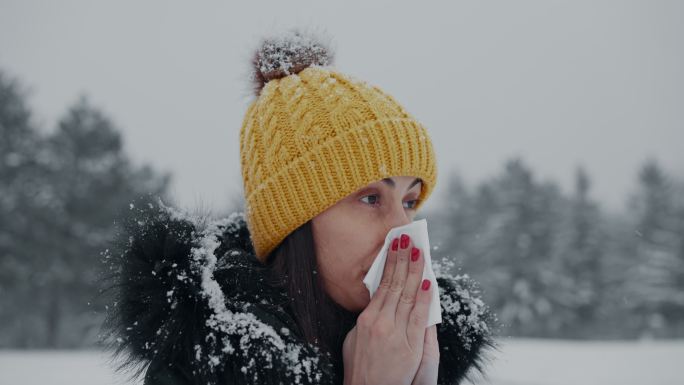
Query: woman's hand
{"x":386,"y":345}
{"x":429,"y":365}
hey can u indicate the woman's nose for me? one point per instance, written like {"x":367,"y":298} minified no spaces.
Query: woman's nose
{"x":396,"y":218}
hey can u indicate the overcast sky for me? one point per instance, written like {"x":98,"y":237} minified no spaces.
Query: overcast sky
{"x":560,"y":83}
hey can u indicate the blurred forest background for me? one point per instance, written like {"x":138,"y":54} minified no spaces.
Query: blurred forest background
{"x":550,"y":263}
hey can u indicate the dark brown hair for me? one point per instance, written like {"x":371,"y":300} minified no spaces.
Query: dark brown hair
{"x":292,"y":266}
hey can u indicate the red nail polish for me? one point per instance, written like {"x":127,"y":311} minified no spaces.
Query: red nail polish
{"x":404,"y":241}
{"x":395,"y":244}
{"x":426,"y":284}
{"x":415,"y":253}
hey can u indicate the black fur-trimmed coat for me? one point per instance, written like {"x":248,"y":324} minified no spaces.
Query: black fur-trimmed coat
{"x":191,"y":306}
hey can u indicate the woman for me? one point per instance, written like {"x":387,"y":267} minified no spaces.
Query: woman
{"x":274,"y":295}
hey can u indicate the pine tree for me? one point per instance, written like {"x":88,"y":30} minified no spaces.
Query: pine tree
{"x":579,"y":263}
{"x":22,"y":197}
{"x":60,"y":195}
{"x":517,"y":243}
{"x":652,"y":281}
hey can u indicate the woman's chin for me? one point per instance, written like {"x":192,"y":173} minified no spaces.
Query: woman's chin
{"x":358,"y":305}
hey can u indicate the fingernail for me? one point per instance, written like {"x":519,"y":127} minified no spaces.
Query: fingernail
{"x":395,"y":244}
{"x":404,"y":241}
{"x":426,"y":284}
{"x":415,"y":253}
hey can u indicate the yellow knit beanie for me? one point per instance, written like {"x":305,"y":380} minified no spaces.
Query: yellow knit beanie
{"x":314,"y":135}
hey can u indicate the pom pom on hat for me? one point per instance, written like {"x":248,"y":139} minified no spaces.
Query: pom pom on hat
{"x":288,"y":54}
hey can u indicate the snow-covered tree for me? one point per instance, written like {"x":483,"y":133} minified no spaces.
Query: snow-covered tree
{"x":653,"y":282}
{"x":579,"y":263}
{"x":21,"y":198}
{"x":508,"y":238}
{"x":60,"y":194}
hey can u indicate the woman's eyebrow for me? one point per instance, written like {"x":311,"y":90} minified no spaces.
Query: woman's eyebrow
{"x":390,"y":182}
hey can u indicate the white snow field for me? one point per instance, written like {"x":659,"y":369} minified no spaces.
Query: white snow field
{"x":520,"y":362}
{"x":562,"y":362}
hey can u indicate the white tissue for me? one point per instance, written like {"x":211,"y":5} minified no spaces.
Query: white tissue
{"x":417,"y":230}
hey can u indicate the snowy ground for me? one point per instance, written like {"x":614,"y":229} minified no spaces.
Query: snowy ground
{"x":554,"y":362}
{"x":520,"y":362}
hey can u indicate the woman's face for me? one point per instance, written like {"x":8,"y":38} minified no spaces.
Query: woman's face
{"x":349,"y":234}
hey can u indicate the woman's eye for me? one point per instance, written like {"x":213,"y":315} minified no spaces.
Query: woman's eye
{"x":371,"y":196}
{"x":412,"y":203}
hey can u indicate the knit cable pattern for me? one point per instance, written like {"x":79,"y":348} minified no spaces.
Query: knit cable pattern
{"x":312,"y":138}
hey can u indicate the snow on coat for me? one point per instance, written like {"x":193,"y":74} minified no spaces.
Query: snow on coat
{"x":192,"y":306}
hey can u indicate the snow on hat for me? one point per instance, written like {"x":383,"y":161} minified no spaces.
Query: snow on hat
{"x":314,"y":135}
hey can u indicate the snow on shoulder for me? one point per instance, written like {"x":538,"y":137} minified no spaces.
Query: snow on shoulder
{"x":169,"y":307}
{"x":227,"y":323}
